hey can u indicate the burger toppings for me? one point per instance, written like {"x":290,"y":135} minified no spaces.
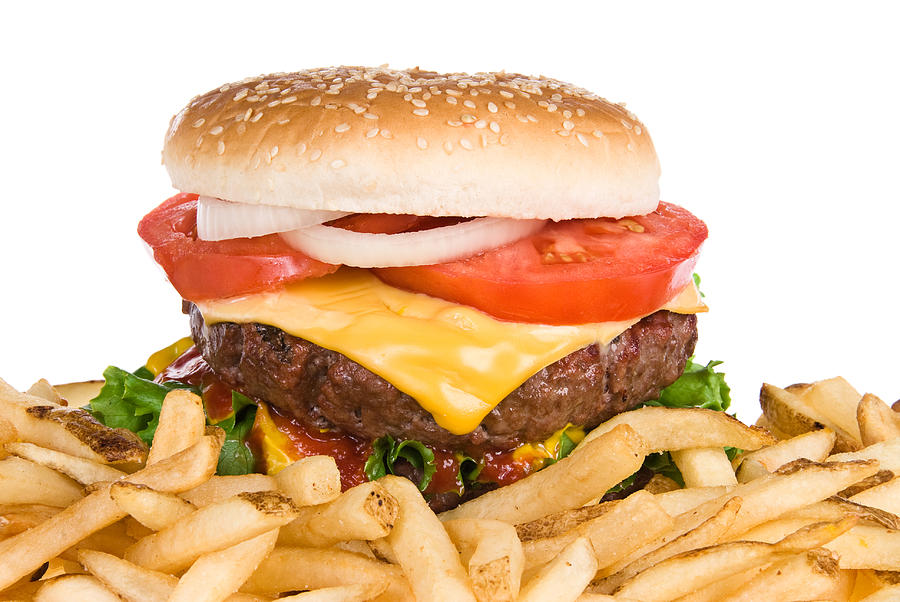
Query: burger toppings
{"x":222,"y":220}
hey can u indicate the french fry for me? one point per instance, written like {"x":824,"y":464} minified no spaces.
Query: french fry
{"x":886,"y":452}
{"x":216,"y":575}
{"x":813,"y":575}
{"x":668,"y":429}
{"x":128,"y":580}
{"x":212,"y":528}
{"x":366,"y":511}
{"x":868,"y":547}
{"x":84,"y":471}
{"x":626,"y":526}
{"x":153,"y":509}
{"x":835,"y":399}
{"x":790,"y":414}
{"x":722,"y":588}
{"x":565,"y":577}
{"x":880,"y":477}
{"x":74,"y":587}
{"x":290,"y":569}
{"x":78,"y":394}
{"x":8,"y":434}
{"x":877,"y":421}
{"x":16,"y":518}
{"x":182,"y":422}
{"x":570,"y":483}
{"x":560,"y":522}
{"x":659,"y":483}
{"x":69,"y":430}
{"x":310,"y":481}
{"x":889,"y":593}
{"x":220,"y":488}
{"x":884,"y":497}
{"x":835,"y":508}
{"x":704,"y":467}
{"x":24,"y":482}
{"x":27,"y":551}
{"x":427,"y":556}
{"x":814,"y":445}
{"x":340,"y":593}
{"x":680,"y":501}
{"x":43,"y":389}
{"x":493,"y":555}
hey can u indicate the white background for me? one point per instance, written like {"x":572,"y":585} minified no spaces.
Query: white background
{"x":778,"y":125}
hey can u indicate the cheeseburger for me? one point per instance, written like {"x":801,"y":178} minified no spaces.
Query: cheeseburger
{"x":446,"y":276}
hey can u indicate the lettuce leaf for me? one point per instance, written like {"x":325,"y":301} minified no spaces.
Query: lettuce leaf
{"x":386,"y":451}
{"x":700,"y":386}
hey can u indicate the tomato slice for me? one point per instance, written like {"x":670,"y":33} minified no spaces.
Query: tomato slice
{"x":572,"y":272}
{"x":201,"y":269}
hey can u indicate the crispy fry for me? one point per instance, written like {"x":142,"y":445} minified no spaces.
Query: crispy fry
{"x":24,"y":482}
{"x":889,"y":593}
{"x":287,"y":569}
{"x":182,"y":422}
{"x":560,"y":522}
{"x":130,"y":581}
{"x":884,"y":497}
{"x":813,"y":575}
{"x":77,"y":395}
{"x":220,"y":488}
{"x":43,"y":389}
{"x":8,"y":434}
{"x":214,"y":576}
{"x":815,"y":446}
{"x":868,"y":547}
{"x":704,"y":467}
{"x":423,"y":548}
{"x":212,"y":528}
{"x":366,"y":511}
{"x":680,"y":501}
{"x":69,"y":430}
{"x":790,"y":414}
{"x":835,"y":399}
{"x":880,"y":477}
{"x":565,"y":577}
{"x":310,"y":481}
{"x":154,"y":509}
{"x":877,"y":421}
{"x":668,"y":429}
{"x":340,"y":593}
{"x":570,"y":483}
{"x":492,"y":552}
{"x":84,"y":471}
{"x":886,"y":452}
{"x":74,"y":587}
{"x":16,"y":518}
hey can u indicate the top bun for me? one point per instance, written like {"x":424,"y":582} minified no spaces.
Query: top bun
{"x":375,"y":140}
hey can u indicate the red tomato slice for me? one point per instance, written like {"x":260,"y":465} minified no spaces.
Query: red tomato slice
{"x":572,"y":272}
{"x":201,"y":269}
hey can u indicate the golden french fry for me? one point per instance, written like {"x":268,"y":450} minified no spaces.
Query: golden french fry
{"x":43,"y":389}
{"x":659,"y":483}
{"x":366,"y":511}
{"x":814,"y":445}
{"x":626,"y":526}
{"x":24,"y":482}
{"x":889,"y":593}
{"x":427,"y":556}
{"x":216,"y":575}
{"x":16,"y":518}
{"x":880,"y":477}
{"x":153,"y":509}
{"x":8,"y":434}
{"x":704,"y":467}
{"x":570,"y":483}
{"x":886,"y":452}
{"x":884,"y":497}
{"x":289,"y":569}
{"x":492,"y":552}
{"x":813,"y":575}
{"x":212,"y":528}
{"x":84,"y":471}
{"x":182,"y":422}
{"x":668,"y":429}
{"x":220,"y":488}
{"x":69,"y":430}
{"x":868,"y":547}
{"x":78,"y":395}
{"x":835,"y":399}
{"x":310,"y":481}
{"x":706,"y":534}
{"x":340,"y":593}
{"x":565,"y":577}
{"x":74,"y":587}
{"x":560,"y":522}
{"x":680,"y":501}
{"x":25,"y":552}
{"x":790,"y":414}
{"x":835,"y":508}
{"x":877,"y":421}
{"x":128,"y":580}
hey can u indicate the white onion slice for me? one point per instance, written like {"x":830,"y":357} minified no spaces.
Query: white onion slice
{"x":221,"y":220}
{"x":438,"y":245}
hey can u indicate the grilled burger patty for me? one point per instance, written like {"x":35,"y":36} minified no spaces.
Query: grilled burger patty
{"x":324,"y":389}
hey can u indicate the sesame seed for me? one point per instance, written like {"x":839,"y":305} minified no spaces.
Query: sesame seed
{"x":220,"y":149}
{"x":506,"y":94}
{"x":597,"y":134}
{"x":418,"y":103}
{"x":469,"y":103}
{"x":216,"y":130}
{"x":248,"y":114}
{"x":531,"y":118}
{"x":568,"y":125}
{"x":314,"y":156}
{"x":301,"y":148}
{"x":579,"y":112}
{"x":448,"y":147}
{"x":407,"y":97}
{"x":567,"y":114}
{"x":582,"y":138}
{"x":280,"y":122}
{"x":199,"y":122}
{"x":465,"y":144}
{"x":241,"y":128}
{"x":637,"y":130}
{"x":626,"y":124}
{"x":371,"y":95}
{"x":481,"y":124}
{"x":199,"y":141}
{"x":509,"y":104}
{"x":563,"y":133}
{"x":343,"y":127}
{"x":338,"y":163}
{"x":332,"y":106}
{"x":386,"y":134}
{"x":495,"y":127}
{"x":453,"y":92}
{"x":273,"y":152}
{"x":426,"y":96}
{"x":420,"y":112}
{"x":288,"y":100}
{"x":467,"y":118}
{"x":492,"y":107}
{"x":421,"y":143}
{"x":451,"y":100}
{"x":552,"y":107}
{"x":241,"y":95}
{"x":274,"y":103}
{"x":256,"y":117}
{"x":372,"y":133}
{"x":454,"y":123}
{"x":253,"y":98}
{"x":543,"y":104}
{"x":315,"y":101}
{"x":370,"y":116}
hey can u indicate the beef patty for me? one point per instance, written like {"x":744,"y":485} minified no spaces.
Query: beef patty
{"x":326,"y":390}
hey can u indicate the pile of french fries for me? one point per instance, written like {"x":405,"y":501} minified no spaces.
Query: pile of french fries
{"x":807,"y":511}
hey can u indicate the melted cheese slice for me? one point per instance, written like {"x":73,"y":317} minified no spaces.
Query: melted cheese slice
{"x":456,"y":361}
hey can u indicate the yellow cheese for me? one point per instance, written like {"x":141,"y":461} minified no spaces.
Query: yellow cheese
{"x":456,"y":361}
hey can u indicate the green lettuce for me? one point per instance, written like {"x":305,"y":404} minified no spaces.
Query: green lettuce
{"x":386,"y":451}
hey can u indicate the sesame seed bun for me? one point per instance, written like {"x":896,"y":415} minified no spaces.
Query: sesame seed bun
{"x":374,"y":140}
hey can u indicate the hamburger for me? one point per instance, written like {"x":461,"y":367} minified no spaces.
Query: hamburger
{"x":445,"y":276}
